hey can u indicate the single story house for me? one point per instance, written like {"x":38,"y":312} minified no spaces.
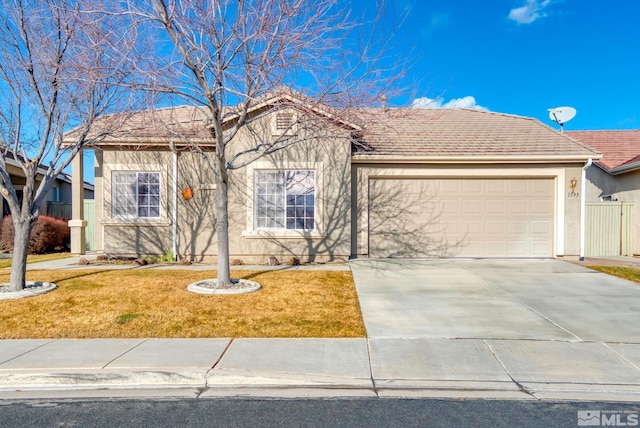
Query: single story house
{"x":616,"y":176}
{"x":365,"y":183}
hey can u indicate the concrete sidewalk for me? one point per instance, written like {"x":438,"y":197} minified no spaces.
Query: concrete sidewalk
{"x":453,"y":368}
{"x":540,"y":367}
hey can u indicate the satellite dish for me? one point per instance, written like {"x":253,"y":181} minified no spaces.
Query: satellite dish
{"x":562,"y":115}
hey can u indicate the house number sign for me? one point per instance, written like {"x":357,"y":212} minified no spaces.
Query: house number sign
{"x":572,"y":189}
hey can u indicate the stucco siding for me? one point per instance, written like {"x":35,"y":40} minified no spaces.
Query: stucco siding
{"x":328,"y":156}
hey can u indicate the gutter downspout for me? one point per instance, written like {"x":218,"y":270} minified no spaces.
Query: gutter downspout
{"x":583,"y":202}
{"x":174,"y":210}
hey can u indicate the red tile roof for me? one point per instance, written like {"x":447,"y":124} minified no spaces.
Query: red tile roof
{"x":617,"y":147}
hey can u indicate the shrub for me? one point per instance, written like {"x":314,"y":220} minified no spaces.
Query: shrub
{"x":294,"y":261}
{"x":48,"y":235}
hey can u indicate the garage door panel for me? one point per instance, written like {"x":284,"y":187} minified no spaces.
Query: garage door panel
{"x":516,"y":187}
{"x":461,"y":217}
{"x":494,"y":248}
{"x":449,"y":186}
{"x":540,"y":248}
{"x":518,"y":248}
{"x":450,"y":207}
{"x":494,"y":187}
{"x":541,"y":227}
{"x":472,"y":207}
{"x":494,"y":227}
{"x":542,"y":187}
{"x":494,"y":207}
{"x":471,"y":227}
{"x":517,"y":207}
{"x":472,"y":187}
{"x":541,"y":206}
{"x":517,"y":227}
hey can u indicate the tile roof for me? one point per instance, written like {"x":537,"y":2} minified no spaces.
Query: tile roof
{"x":618,"y":148}
{"x":464,"y":133}
{"x":153,"y":127}
{"x":390,"y":133}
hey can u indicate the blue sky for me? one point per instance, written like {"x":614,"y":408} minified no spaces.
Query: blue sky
{"x":521,"y":57}
{"x":526,"y":56}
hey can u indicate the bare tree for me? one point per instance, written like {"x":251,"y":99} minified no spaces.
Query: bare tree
{"x":228,"y":56}
{"x":62,"y":66}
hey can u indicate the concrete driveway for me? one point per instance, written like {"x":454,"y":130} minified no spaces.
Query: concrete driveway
{"x":495,"y":299}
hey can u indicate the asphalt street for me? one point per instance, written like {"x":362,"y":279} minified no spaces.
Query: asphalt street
{"x":308,"y":413}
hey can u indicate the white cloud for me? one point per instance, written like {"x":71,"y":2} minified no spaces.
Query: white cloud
{"x":464,"y":102}
{"x":528,"y":13}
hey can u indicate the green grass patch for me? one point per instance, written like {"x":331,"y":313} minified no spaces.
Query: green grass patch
{"x":629,"y":273}
{"x":125,"y":318}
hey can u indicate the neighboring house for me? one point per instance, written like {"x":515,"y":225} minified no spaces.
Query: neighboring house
{"x":616,"y":176}
{"x":58,"y":201}
{"x":384,"y":183}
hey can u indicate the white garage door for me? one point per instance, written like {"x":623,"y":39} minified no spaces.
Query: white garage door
{"x":461,"y":217}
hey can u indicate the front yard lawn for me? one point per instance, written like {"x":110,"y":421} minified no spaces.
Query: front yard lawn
{"x":632,"y":274}
{"x":156,"y":303}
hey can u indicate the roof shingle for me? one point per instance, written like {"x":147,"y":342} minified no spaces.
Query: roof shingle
{"x":617,"y":147}
{"x":464,"y":132}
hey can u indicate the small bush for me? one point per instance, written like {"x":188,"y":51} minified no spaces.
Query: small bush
{"x":236,"y":262}
{"x":48,"y":235}
{"x":294,"y":261}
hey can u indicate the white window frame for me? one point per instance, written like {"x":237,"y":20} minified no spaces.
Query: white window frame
{"x":135,"y":196}
{"x":281,"y":198}
{"x":108,"y":218}
{"x":318,"y":231}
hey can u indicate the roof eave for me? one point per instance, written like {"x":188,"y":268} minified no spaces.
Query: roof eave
{"x":155,"y":142}
{"x":472,"y":159}
{"x":625,"y":168}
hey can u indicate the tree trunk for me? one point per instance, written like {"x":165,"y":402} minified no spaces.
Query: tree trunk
{"x":222,"y":221}
{"x":19,"y":258}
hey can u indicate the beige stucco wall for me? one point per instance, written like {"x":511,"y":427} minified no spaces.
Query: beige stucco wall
{"x":567,"y":221}
{"x":623,"y":187}
{"x":328,"y":155}
{"x":136,"y":237}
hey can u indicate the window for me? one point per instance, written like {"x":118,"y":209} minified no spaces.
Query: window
{"x":285,"y":199}
{"x":136,"y":195}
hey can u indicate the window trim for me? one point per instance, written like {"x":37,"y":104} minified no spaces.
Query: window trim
{"x":108,"y":218}
{"x":251,"y":231}
{"x":285,"y":200}
{"x":137,"y":196}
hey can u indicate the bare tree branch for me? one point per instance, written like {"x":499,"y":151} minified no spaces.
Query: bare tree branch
{"x":63,"y":65}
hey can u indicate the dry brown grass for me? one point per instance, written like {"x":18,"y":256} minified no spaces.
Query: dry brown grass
{"x":156,"y":303}
{"x":632,"y":274}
